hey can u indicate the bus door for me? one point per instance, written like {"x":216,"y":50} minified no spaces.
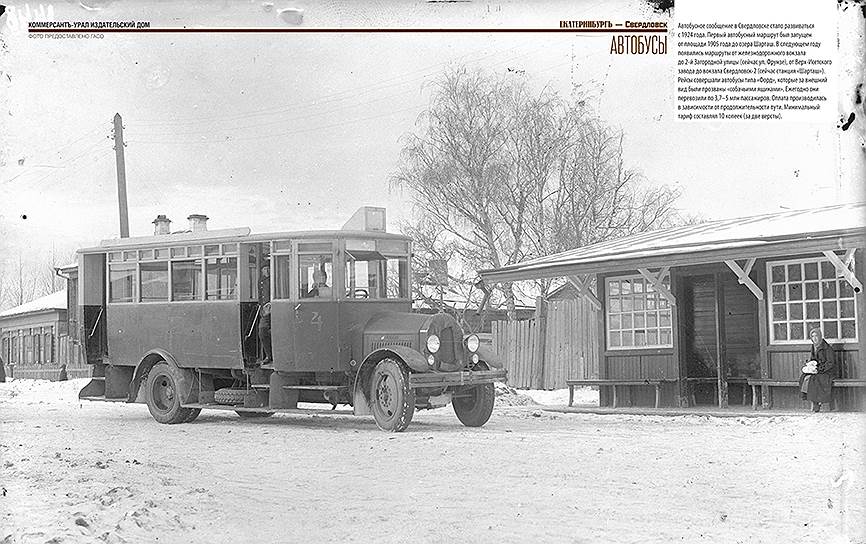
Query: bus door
{"x":312,"y":315}
{"x":253,"y":258}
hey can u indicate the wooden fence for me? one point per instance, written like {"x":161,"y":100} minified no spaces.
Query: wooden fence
{"x":560,"y":343}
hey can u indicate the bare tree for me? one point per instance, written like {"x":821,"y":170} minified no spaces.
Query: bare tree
{"x":21,"y":284}
{"x":45,"y":272}
{"x":501,"y":173}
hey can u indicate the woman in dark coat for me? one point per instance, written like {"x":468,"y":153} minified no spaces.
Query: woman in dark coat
{"x":818,"y":390}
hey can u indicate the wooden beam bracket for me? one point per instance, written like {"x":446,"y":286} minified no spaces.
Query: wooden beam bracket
{"x":743,"y":278}
{"x":842,"y":267}
{"x":581,"y":285}
{"x":656,"y":280}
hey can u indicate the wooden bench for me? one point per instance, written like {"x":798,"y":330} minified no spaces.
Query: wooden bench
{"x":613,"y":383}
{"x":756,"y":383}
{"x":767,"y":382}
{"x":712,"y":380}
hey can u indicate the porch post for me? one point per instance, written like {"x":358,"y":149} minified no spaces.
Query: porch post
{"x":721,"y":352}
{"x":763,"y":335}
{"x":676,"y":333}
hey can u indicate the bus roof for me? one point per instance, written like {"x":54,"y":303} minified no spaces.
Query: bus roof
{"x":242,"y":234}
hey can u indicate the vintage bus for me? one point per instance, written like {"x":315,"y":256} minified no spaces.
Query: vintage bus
{"x":175,"y":320}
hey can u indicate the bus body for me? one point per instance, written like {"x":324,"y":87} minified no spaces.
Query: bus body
{"x":175,"y":321}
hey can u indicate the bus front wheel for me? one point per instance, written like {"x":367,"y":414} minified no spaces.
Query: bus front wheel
{"x":475,"y":405}
{"x":392,"y":400}
{"x":164,"y":395}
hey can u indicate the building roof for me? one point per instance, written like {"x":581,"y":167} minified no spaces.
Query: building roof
{"x":54,"y":301}
{"x":800,"y":231}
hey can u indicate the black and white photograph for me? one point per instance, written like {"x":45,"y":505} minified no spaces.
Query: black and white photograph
{"x":432,"y":271}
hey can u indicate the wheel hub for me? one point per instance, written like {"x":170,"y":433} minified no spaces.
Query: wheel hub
{"x":385,"y":395}
{"x":164,"y":393}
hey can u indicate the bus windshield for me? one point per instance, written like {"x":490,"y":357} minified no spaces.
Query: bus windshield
{"x":372,"y":275}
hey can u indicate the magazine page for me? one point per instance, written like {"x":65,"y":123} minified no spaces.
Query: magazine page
{"x":433,"y":271}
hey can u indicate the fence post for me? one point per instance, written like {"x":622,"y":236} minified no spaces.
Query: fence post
{"x":540,"y":338}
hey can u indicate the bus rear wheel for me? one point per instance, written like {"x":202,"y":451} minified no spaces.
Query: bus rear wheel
{"x":474,"y":405}
{"x":392,"y":401}
{"x":164,"y":395}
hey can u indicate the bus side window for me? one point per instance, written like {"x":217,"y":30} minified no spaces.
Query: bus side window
{"x":282,"y":276}
{"x":315,"y":273}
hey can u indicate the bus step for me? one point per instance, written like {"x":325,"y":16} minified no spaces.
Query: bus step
{"x":102,"y":399}
{"x":303,"y":411}
{"x":318,"y":387}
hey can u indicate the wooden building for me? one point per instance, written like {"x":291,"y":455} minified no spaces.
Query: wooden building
{"x":720,"y":312}
{"x":35,"y":341}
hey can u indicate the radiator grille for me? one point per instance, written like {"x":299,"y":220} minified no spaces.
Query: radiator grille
{"x":379,"y":344}
{"x":447,"y":345}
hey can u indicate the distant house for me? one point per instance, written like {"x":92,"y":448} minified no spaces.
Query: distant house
{"x":35,"y":342}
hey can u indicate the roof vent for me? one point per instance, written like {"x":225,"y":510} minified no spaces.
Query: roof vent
{"x":197,"y":222}
{"x":368,"y":218}
{"x":161,"y":225}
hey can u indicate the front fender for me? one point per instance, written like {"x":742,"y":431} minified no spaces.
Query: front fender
{"x":360,"y":392}
{"x":147,"y":362}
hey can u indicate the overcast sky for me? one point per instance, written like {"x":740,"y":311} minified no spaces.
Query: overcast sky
{"x":295,"y":131}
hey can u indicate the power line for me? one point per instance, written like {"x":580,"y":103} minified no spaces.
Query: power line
{"x":67,"y":163}
{"x":230,"y":139}
{"x":334,"y":97}
{"x":31,"y":169}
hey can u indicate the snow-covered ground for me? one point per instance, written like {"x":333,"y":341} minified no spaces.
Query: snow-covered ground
{"x":75,"y":471}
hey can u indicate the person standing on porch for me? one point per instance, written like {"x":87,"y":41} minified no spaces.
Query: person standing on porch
{"x":816,"y":388}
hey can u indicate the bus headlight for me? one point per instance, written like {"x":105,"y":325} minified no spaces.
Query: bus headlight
{"x":472,"y":343}
{"x":432,"y":343}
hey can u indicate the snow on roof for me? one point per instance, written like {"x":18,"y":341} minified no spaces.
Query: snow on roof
{"x":54,"y":301}
{"x":726,"y":234}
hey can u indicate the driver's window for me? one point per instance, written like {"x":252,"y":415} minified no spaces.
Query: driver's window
{"x":315,"y":276}
{"x":362,"y":277}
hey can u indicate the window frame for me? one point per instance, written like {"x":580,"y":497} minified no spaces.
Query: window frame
{"x":802,"y":261}
{"x":235,"y":294}
{"x":670,"y":309}
{"x":121,"y":265}
{"x":139,"y":296}
{"x":295,"y":271}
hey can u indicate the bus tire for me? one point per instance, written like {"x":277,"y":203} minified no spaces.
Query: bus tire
{"x":229,"y":396}
{"x":474,"y":406}
{"x":163,"y":394}
{"x":392,"y":401}
{"x":193,"y":413}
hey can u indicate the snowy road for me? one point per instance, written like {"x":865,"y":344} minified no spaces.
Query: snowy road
{"x":100,"y":472}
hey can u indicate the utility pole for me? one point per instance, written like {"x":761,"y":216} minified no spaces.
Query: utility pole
{"x":121,"y":176}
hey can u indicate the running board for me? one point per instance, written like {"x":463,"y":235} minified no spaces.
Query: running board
{"x":304,"y":387}
{"x":103,"y":399}
{"x":303,"y":411}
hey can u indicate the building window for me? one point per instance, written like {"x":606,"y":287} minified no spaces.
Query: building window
{"x":221,"y":278}
{"x":186,"y":280}
{"x":121,"y":283}
{"x":637,"y":315}
{"x":48,"y":345}
{"x":154,"y":282}
{"x":806,"y":293}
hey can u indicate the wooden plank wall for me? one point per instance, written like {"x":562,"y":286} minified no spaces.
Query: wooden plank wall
{"x":786,"y":365}
{"x":570,"y":347}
